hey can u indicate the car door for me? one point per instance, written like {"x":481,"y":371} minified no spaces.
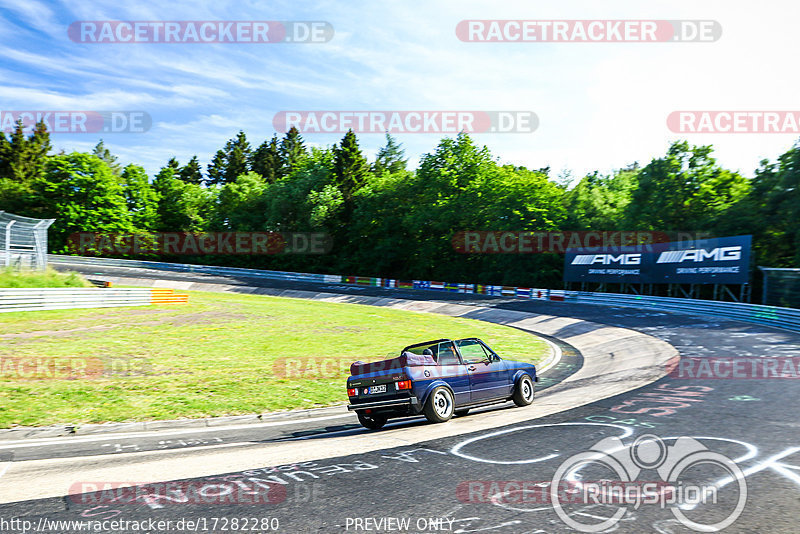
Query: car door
{"x":453,"y":371}
{"x":488,"y":375}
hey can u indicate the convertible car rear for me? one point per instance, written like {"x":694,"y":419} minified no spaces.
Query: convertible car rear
{"x":439,"y":379}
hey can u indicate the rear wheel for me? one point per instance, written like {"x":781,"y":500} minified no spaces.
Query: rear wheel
{"x":523,"y":393}
{"x":372,"y":422}
{"x":439,"y":406}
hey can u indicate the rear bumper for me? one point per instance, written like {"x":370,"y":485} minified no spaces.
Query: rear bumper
{"x":392,"y":403}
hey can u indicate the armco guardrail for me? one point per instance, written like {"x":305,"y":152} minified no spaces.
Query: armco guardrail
{"x":787,"y":318}
{"x":189,"y":268}
{"x":31,"y":299}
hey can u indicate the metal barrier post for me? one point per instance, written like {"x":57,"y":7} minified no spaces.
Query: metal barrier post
{"x":8,"y":242}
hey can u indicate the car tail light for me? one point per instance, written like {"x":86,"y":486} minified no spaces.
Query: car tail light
{"x":403,"y":384}
{"x":351,"y":392}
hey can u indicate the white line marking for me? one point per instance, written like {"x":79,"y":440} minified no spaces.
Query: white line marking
{"x":43,"y":442}
{"x":626,"y":431}
{"x":554,"y":360}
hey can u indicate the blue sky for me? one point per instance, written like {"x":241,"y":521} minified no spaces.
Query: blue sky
{"x":601,"y":106}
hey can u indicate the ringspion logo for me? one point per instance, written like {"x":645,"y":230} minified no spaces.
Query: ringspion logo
{"x":588,"y":31}
{"x":694,"y":505}
{"x":403,"y":122}
{"x":199,"y":32}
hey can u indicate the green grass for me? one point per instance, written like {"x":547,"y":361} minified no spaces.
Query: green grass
{"x":49,"y":278}
{"x":216,"y":356}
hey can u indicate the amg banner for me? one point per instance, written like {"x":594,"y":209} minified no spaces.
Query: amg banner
{"x":722,"y":260}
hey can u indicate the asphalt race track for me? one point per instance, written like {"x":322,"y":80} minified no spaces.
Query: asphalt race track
{"x":498,"y":480}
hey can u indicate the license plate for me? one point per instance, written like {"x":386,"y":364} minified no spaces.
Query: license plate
{"x":377,"y":389}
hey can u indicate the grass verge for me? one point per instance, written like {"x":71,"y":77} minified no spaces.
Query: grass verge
{"x":222,"y":354}
{"x":49,"y":278}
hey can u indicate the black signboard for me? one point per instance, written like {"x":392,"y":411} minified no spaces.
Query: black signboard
{"x":628,"y":266}
{"x":722,"y":260}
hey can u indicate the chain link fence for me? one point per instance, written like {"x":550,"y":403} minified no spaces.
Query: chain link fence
{"x":781,"y":287}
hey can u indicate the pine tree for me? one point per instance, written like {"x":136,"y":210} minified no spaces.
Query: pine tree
{"x":266,"y":160}
{"x":292,"y":150}
{"x":350,"y":165}
{"x":237,"y":153}
{"x":217,"y":169}
{"x":22,"y":163}
{"x":191,"y":173}
{"x":231,"y":161}
{"x":22,"y":159}
{"x":5,"y":156}
{"x":104,"y":154}
{"x":390,"y":157}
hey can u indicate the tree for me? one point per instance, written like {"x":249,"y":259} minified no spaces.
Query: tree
{"x":771,"y":212}
{"x":142,"y":200}
{"x":217,"y":169}
{"x":83,"y":195}
{"x":266,"y":160}
{"x":685,"y":190}
{"x":105,"y":155}
{"x":292,"y":151}
{"x":240,"y":204}
{"x":22,"y":158}
{"x":326,"y":204}
{"x":192,"y":172}
{"x":599,"y":202}
{"x":182,"y":207}
{"x":350,"y":166}
{"x":390,"y":157}
{"x":237,"y":154}
{"x":22,"y":163}
{"x":231,"y":161}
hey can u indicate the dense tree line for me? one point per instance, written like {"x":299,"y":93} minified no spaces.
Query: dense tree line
{"x":387,"y":220}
